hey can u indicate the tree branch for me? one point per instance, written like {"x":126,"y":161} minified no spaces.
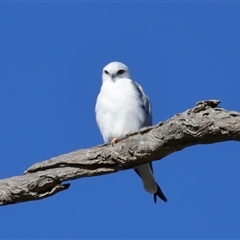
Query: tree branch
{"x":204,"y":124}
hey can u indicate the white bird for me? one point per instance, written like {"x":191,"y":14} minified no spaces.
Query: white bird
{"x":122,"y":107}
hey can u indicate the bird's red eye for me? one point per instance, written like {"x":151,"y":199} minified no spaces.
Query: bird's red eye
{"x":106,"y":72}
{"x":121,"y":71}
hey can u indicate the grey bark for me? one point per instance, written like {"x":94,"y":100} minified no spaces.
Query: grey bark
{"x":204,"y":124}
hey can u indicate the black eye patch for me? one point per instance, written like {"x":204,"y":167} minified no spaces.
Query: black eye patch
{"x":106,"y":72}
{"x":121,"y":71}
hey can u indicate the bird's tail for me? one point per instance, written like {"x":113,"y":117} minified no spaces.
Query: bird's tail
{"x":145,"y":171}
{"x":160,"y":194}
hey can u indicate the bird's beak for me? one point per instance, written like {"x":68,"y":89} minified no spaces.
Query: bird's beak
{"x":113,"y":76}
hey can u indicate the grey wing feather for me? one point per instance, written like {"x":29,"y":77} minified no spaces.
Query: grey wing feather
{"x":146,"y":105}
{"x":151,"y":167}
{"x":136,"y":172}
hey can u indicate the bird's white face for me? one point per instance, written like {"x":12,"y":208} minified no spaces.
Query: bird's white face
{"x":114,"y":71}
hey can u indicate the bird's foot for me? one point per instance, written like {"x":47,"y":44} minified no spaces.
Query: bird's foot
{"x":114,"y":141}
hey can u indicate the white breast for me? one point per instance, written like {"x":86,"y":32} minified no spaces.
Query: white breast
{"x":119,"y":109}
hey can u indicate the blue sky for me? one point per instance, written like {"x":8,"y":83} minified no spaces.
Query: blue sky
{"x":51,"y":58}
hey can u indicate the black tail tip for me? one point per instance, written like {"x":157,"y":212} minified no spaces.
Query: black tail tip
{"x":160,"y":194}
{"x":162,"y":197}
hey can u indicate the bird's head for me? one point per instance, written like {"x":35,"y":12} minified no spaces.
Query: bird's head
{"x":114,"y":71}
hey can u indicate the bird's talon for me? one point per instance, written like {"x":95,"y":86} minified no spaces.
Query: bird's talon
{"x":114,"y":141}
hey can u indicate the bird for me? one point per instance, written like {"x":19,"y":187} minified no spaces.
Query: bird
{"x":123,"y":107}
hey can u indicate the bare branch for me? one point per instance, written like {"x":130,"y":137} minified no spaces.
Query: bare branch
{"x":204,"y":124}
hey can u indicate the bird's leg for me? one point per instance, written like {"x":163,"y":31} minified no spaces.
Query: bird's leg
{"x":114,"y":141}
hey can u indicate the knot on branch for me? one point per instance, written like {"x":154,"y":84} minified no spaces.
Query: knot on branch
{"x":43,"y":186}
{"x":204,"y":105}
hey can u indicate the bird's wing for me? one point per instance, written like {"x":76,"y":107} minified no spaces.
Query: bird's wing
{"x":146,"y":105}
{"x":151,"y":166}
